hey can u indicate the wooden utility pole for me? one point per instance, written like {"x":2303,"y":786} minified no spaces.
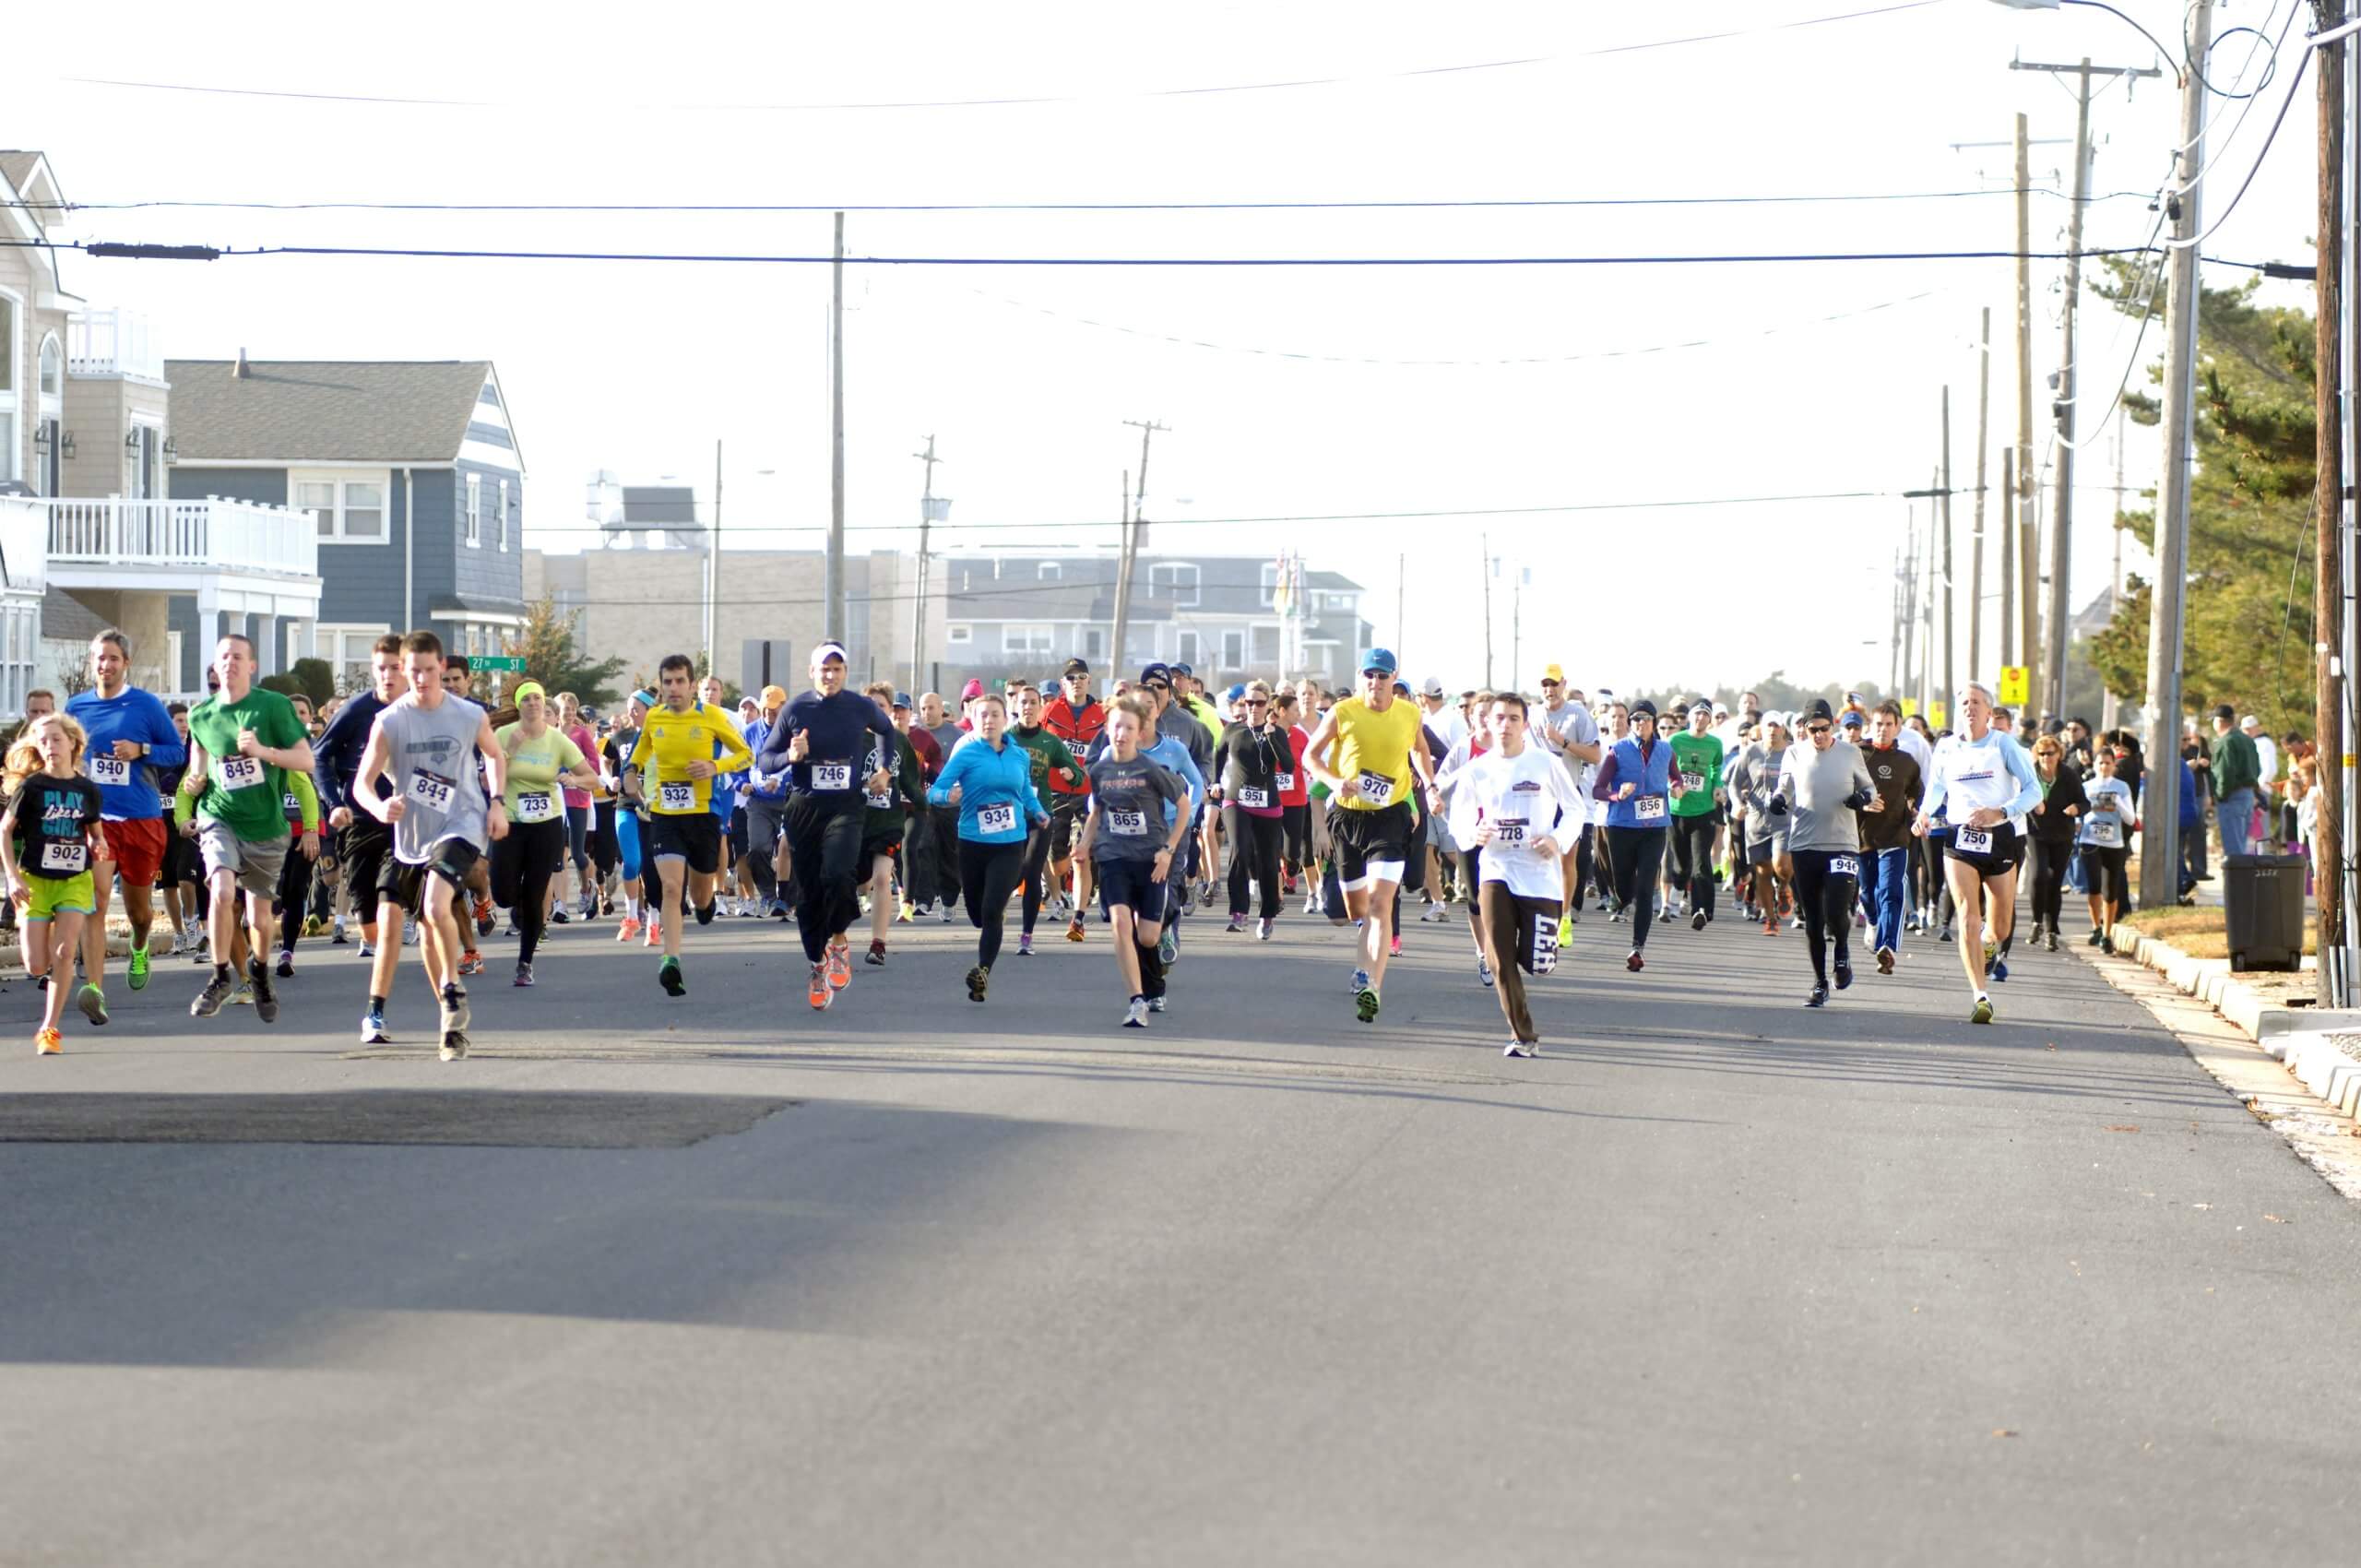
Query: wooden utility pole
{"x":1136,"y":519}
{"x":1484,"y":543}
{"x":2328,"y":835}
{"x":2022,"y":492}
{"x":918,"y":591}
{"x":2160,"y":848}
{"x":1126,"y":554}
{"x":1976,"y":670}
{"x":834,"y":587}
{"x":1943,"y":512}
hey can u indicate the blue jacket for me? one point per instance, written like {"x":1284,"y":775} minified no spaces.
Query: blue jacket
{"x":336,"y":755}
{"x":1653,"y":773}
{"x":2191,"y":812}
{"x":1176,"y":759}
{"x":134,"y":716}
{"x":757,"y":734}
{"x":988,"y":778}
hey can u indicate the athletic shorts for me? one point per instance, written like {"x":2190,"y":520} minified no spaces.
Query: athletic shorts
{"x":255,"y":862}
{"x":877,"y":838}
{"x":1766,"y":851}
{"x":1066,"y":815}
{"x":1997,"y":859}
{"x":1131,"y":884}
{"x":405,"y":884}
{"x":365,"y":845}
{"x":1366,"y":837}
{"x":138,"y":845}
{"x":735,"y":832}
{"x":694,"y":837}
{"x":49,"y":897}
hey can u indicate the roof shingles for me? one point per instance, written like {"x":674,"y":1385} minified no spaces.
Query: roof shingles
{"x":341,"y":410}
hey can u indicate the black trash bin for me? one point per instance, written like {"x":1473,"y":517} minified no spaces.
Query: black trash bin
{"x":2263,"y":897}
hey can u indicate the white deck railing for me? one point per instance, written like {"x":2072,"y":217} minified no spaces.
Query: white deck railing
{"x":112,"y":342}
{"x":222,"y":535}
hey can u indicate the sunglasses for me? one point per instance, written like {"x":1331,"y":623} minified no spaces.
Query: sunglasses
{"x":1257,"y":701}
{"x":1815,"y":730}
{"x":1549,"y":682}
{"x":1376,"y":674}
{"x":1157,"y":687}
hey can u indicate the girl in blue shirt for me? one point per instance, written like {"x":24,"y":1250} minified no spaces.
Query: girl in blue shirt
{"x":990,"y":778}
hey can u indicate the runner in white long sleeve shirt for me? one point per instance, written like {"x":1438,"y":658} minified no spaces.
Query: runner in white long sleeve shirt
{"x":1985,"y":783}
{"x":1516,"y":806}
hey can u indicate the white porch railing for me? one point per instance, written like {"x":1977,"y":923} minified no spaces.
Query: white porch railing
{"x":112,"y":342}
{"x":222,"y":535}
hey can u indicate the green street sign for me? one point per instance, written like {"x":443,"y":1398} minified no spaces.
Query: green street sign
{"x":497,"y":661}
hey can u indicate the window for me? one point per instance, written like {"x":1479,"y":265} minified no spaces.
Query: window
{"x":1270,"y":583}
{"x":52,"y":368}
{"x":143,"y":479}
{"x":346,"y":648}
{"x":1233,"y":650}
{"x":1050,"y":571}
{"x":473,"y":515}
{"x":10,"y":457}
{"x":500,"y":522}
{"x":1266,"y":645}
{"x":348,"y":511}
{"x":961,"y":634}
{"x":1026,"y":639}
{"x":1176,"y":580}
{"x":1094,"y":643}
{"x":1184,"y":649}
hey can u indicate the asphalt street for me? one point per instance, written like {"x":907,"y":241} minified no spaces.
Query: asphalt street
{"x":1716,"y":1280}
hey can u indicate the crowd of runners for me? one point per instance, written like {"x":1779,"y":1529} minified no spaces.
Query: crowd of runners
{"x":416,"y":813}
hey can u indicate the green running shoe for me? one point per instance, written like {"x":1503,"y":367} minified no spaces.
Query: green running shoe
{"x":140,"y":968}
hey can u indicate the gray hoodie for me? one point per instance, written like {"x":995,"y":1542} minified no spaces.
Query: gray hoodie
{"x":1816,"y":785}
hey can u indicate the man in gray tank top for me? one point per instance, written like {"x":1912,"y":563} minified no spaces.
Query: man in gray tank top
{"x":418,"y":777}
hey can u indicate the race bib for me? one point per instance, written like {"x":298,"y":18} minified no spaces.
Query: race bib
{"x":1648,"y":808}
{"x":109,"y":769}
{"x":1376,"y":790}
{"x":1844,"y":865}
{"x":535,"y":805}
{"x":676,"y":798}
{"x":1130,"y":824}
{"x":1250,"y":795}
{"x":294,"y":807}
{"x":832,"y":776}
{"x":2105,"y":832}
{"x":1692,"y":781}
{"x":997,"y":818}
{"x":1971,"y":840}
{"x":878,"y":800}
{"x":238,"y":772}
{"x":1286,"y":783}
{"x":1510,"y":830}
{"x":431,"y":790}
{"x":68,"y":856}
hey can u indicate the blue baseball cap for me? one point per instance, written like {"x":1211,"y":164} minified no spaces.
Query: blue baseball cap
{"x":1235,"y":692}
{"x":1180,"y":669}
{"x":902,"y":699}
{"x":1380,"y":659}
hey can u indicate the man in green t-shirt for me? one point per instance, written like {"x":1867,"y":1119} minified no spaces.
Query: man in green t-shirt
{"x":1697,"y":811}
{"x":246,"y":746}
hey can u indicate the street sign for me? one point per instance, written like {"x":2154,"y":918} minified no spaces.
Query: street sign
{"x":1934,"y":714}
{"x":1909,"y":706}
{"x":480,"y":662}
{"x":2016,"y":686}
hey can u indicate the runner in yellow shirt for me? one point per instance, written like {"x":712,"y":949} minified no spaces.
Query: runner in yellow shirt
{"x":682,"y":745}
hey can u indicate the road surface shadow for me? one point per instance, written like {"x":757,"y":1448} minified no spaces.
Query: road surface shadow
{"x":478,"y":1117}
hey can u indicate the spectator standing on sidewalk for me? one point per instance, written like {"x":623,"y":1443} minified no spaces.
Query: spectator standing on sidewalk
{"x":2236,"y":771}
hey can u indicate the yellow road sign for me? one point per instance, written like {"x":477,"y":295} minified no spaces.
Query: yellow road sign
{"x":2016,"y":686}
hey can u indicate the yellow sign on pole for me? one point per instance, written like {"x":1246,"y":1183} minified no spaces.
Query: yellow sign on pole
{"x":2016,"y":686}
{"x":1934,"y":714}
{"x":1909,"y":706}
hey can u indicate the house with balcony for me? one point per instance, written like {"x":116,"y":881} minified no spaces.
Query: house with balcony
{"x":410,"y":472}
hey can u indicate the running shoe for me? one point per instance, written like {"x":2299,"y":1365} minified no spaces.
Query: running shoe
{"x":667,"y":975}
{"x":339,"y":939}
{"x":1944,"y":935}
{"x":1565,"y":931}
{"x":705,"y":911}
{"x":455,"y":1045}
{"x":1484,"y":972}
{"x":629,"y":930}
{"x":1665,"y":917}
{"x":1075,"y":931}
{"x":266,"y":995}
{"x":243,"y":996}
{"x":1999,"y":968}
{"x":368,"y":949}
{"x":286,"y":964}
{"x":980,"y":979}
{"x":1156,"y":1003}
{"x":456,"y":1012}
{"x":1635,"y":962}
{"x":746,"y":910}
{"x":1615,"y":918}
{"x":944,"y":912}
{"x":409,"y":933}
{"x":1991,"y":951}
{"x":1364,"y":1004}
{"x":1263,"y":929}
{"x":94,"y":1003}
{"x":373,"y":1029}
{"x":1135,"y":1013}
{"x":2097,"y":937}
{"x":140,"y":968}
{"x":1359,"y":982}
{"x":558,"y":917}
{"x":1311,"y":904}
{"x":820,"y":991}
{"x":1819,"y":997}
{"x":654,"y":934}
{"x":839,"y":963}
{"x":1860,"y":920}
{"x":484,"y":915}
{"x":1697,"y":921}
{"x":1167,"y":946}
{"x":1885,"y":960}
{"x":876,"y":952}
{"x":524,"y":972}
{"x":589,"y":906}
{"x":1770,"y":925}
{"x":208,"y":1001}
{"x":904,"y":915}
{"x":1238,"y":924}
{"x":1521,"y":1048}
{"x":472,"y":962}
{"x":1843,"y":974}
{"x":1393,"y":945}
{"x":48,"y":1042}
{"x":2052,"y":940}
{"x":1024,"y":944}
{"x":1795,"y":922}
{"x":1983,"y":1013}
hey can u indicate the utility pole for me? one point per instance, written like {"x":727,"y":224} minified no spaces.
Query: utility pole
{"x":2052,"y":691}
{"x":1943,"y":504}
{"x":1133,"y":524}
{"x":834,"y":587}
{"x":1976,"y":670}
{"x":2011,"y":641}
{"x":1893,"y":630}
{"x":1484,"y":543}
{"x":918,"y":594}
{"x":2107,"y":715}
{"x":1907,"y":610}
{"x":2160,"y":850}
{"x":713,"y":576}
{"x":2008,"y":554}
{"x":2328,"y":706}
{"x":1126,"y":556}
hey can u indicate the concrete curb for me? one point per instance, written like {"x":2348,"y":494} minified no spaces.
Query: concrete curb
{"x":2321,"y":1049}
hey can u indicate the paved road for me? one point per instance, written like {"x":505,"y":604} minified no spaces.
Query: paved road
{"x":1715,"y":1280}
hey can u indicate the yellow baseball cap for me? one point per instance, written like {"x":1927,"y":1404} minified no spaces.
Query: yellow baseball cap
{"x":773,"y":696}
{"x":1555,"y":673}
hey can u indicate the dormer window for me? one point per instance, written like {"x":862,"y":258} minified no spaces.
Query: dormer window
{"x":52,"y":368}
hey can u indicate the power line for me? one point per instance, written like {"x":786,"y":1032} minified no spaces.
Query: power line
{"x":2244,"y":186}
{"x":1021,"y":101}
{"x":1819,"y":198}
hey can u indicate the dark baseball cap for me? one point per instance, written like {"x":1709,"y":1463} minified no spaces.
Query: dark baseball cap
{"x":1176,"y":668}
{"x":1076,"y":667}
{"x":1154,"y":673}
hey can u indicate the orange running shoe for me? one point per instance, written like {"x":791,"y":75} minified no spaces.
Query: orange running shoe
{"x":628,"y":931}
{"x":656,"y":933}
{"x":839,"y":963}
{"x":822,"y":990}
{"x":49,"y":1042}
